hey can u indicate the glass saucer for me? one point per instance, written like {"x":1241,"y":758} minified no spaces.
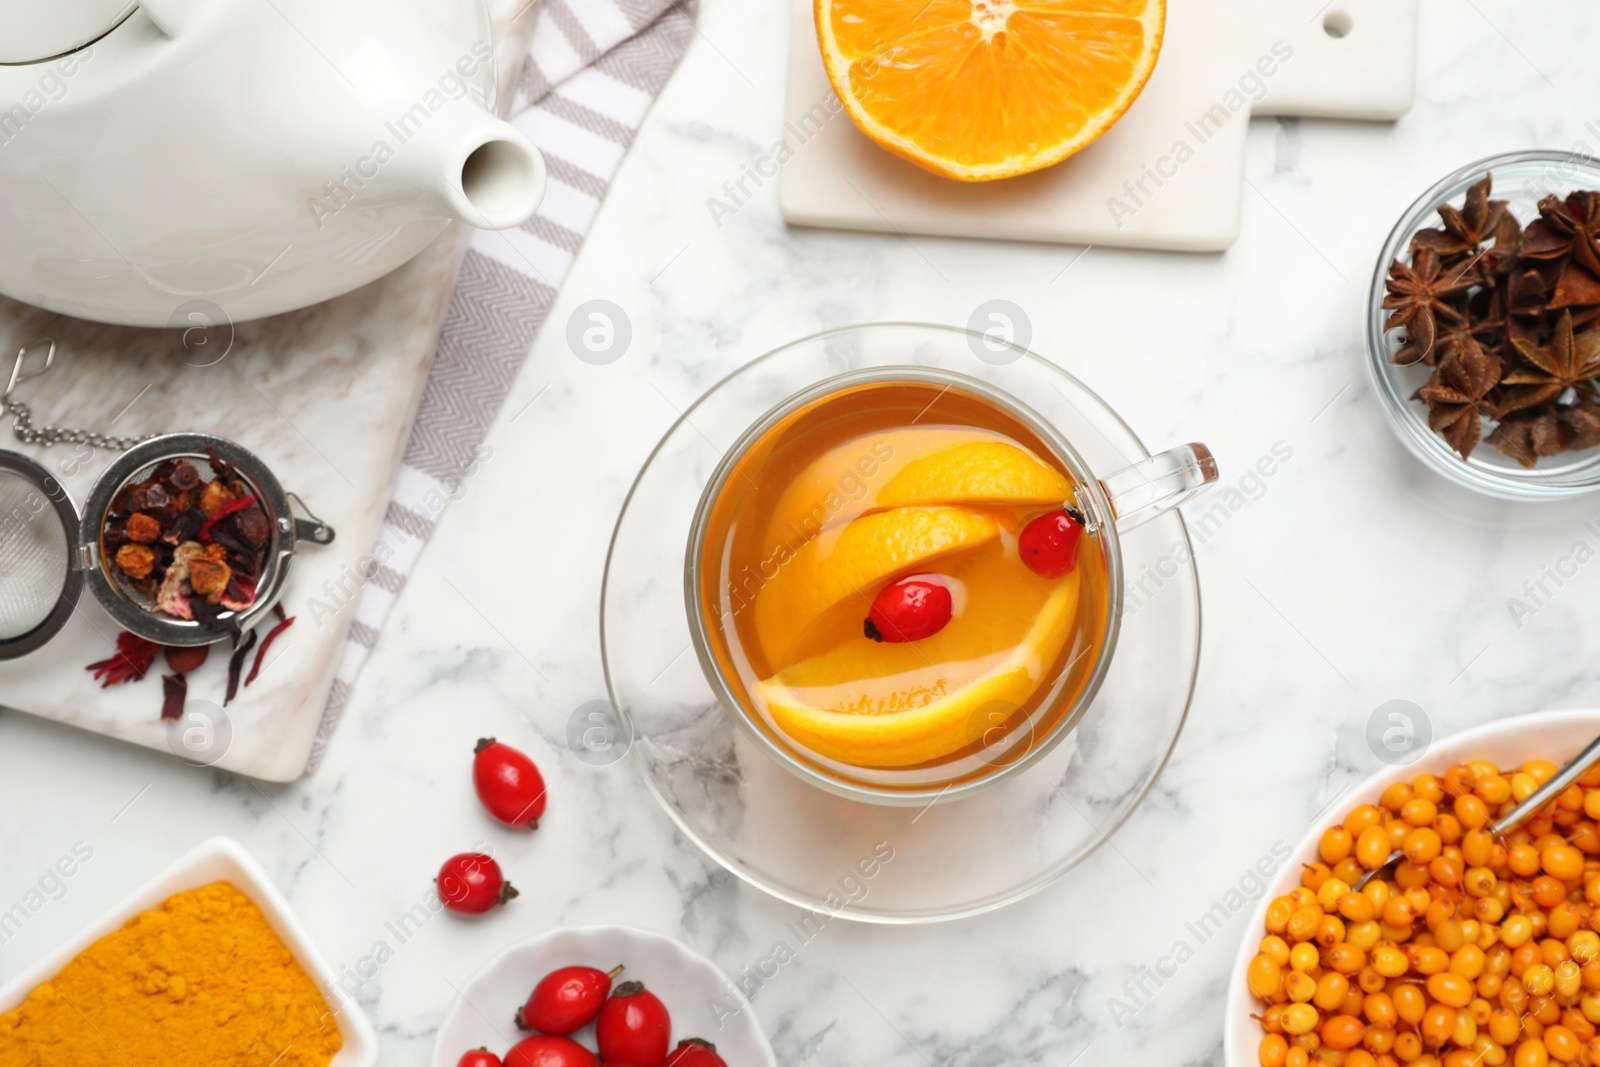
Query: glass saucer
{"x":850,"y":858}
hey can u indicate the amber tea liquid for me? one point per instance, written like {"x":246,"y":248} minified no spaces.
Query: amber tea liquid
{"x":862,"y":488}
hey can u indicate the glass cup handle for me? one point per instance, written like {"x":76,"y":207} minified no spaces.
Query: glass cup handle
{"x":1157,"y":485}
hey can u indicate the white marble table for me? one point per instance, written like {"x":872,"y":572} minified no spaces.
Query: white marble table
{"x":1349,"y":578}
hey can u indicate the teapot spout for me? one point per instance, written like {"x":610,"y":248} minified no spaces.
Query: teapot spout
{"x":490,"y":175}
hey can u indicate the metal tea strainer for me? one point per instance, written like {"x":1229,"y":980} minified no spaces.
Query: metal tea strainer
{"x":48,"y":550}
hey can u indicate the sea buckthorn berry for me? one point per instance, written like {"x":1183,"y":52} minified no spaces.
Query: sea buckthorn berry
{"x":1523,"y":859}
{"x":1379,"y":1010}
{"x":1541,"y":769}
{"x":1494,"y":790}
{"x":1335,"y":845}
{"x":1332,"y":989}
{"x":1299,"y":1018}
{"x":1299,"y":986}
{"x":1372,"y":847}
{"x":1407,"y":1046}
{"x":1516,"y":931}
{"x":1478,"y":881}
{"x":1429,"y":960}
{"x":1471,"y":811}
{"x":1522,"y":787}
{"x":1446,"y":870}
{"x":1357,"y":908}
{"x":1584,"y":946}
{"x":1349,"y":870}
{"x":1331,"y":932}
{"x":1467,"y":961}
{"x":1304,"y":957}
{"x":1476,"y":847}
{"x":1390,"y":962}
{"x":1396,"y":795}
{"x":1276,"y":947}
{"x":1438,"y":1023}
{"x":1428,"y":787}
{"x":1346,"y":958}
{"x":1342,"y":1032}
{"x":1304,"y":923}
{"x":1538,"y":979}
{"x":1562,"y":861}
{"x":1298,"y":1057}
{"x":1504,"y":1026}
{"x":1278,"y":913}
{"x":1531,"y":1053}
{"x":1448,"y":827}
{"x":1265,"y":976}
{"x":1451,"y":989}
{"x":1272,"y":1051}
{"x":1561,"y":1043}
{"x":1410,"y":1002}
{"x":1422,"y":845}
{"x":1569,"y":979}
{"x":1312,"y":875}
{"x":1361,"y":816}
{"x":1591,"y":803}
{"x":1330,"y":891}
{"x":1546,"y":891}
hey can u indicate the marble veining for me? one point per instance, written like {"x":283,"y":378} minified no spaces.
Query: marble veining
{"x":1350,"y":577}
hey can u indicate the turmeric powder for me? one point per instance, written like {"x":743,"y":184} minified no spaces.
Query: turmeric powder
{"x":200,"y":981}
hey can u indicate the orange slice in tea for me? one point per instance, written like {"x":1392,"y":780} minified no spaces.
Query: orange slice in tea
{"x":982,"y":89}
{"x":978,"y":473}
{"x":843,"y":482}
{"x":882,"y":705}
{"x":849,"y":562}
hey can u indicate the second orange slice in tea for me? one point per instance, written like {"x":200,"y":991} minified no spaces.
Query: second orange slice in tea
{"x":983,"y":89}
{"x":977,"y":473}
{"x":879,"y":705}
{"x":849,"y":562}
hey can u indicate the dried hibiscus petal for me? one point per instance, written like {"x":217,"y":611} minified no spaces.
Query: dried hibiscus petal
{"x":131,"y":662}
{"x":236,"y":666}
{"x":174,"y":693}
{"x":272,"y":635}
{"x":230,"y":508}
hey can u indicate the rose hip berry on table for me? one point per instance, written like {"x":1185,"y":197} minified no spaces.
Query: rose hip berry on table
{"x":1475,"y":950}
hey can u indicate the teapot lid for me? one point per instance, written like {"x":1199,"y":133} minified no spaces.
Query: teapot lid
{"x":31,"y":31}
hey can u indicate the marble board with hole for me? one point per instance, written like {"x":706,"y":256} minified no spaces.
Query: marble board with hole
{"x":1169,"y":175}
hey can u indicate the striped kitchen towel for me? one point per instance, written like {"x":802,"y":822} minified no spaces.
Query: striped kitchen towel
{"x":592,"y":70}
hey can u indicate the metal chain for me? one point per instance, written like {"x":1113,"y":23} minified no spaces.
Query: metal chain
{"x":22,"y":415}
{"x":51,"y":435}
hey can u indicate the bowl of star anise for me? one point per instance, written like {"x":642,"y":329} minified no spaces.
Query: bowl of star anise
{"x":1484,"y":326}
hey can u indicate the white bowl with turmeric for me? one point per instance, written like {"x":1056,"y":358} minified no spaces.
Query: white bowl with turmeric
{"x":203,"y":966}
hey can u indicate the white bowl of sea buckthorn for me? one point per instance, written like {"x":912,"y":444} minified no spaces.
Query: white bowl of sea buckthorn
{"x":1472,"y":952}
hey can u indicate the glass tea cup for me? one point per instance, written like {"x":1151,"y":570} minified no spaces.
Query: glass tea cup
{"x":807,"y":504}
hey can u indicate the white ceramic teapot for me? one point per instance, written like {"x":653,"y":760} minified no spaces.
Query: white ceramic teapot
{"x":260,"y":155}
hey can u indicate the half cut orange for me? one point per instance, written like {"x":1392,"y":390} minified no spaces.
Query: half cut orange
{"x":985,"y":89}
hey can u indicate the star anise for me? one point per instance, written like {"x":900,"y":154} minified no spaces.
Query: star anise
{"x":1551,"y":369}
{"x":1529,"y":435}
{"x":1420,"y":295}
{"x":1477,"y":220}
{"x":1566,"y":227}
{"x":1455,"y":394}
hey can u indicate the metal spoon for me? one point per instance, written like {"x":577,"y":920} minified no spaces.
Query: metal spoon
{"x":1522,"y":812}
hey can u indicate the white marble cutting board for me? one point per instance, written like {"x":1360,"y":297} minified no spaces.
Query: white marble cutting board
{"x":324,"y":396}
{"x":1135,"y":187}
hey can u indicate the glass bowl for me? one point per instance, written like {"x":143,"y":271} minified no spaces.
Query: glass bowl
{"x":840,"y":855}
{"x":1521,"y":179}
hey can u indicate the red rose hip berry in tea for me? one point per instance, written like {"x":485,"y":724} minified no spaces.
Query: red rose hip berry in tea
{"x":909,"y":610}
{"x":566,"y":999}
{"x":1049,"y":544}
{"x":508,"y":784}
{"x":695,"y":1052}
{"x":634,"y":1027}
{"x":546,"y":1050}
{"x":480,"y":1057}
{"x":471,"y":884}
